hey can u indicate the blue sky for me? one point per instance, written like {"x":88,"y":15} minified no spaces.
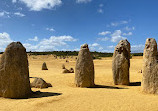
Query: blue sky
{"x":48,"y":25}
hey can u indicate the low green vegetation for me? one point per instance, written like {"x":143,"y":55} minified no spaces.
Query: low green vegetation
{"x":96,"y":55}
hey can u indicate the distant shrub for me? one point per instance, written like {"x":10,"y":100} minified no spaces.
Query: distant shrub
{"x":137,"y":54}
{"x":131,"y":56}
{"x":64,"y":54}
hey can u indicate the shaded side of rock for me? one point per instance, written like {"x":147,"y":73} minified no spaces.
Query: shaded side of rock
{"x":84,"y":70}
{"x":121,"y":63}
{"x":14,"y":72}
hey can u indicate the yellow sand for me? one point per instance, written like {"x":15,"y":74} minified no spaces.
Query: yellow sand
{"x":64,"y":96}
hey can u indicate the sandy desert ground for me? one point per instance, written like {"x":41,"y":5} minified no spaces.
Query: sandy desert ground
{"x":64,"y":96}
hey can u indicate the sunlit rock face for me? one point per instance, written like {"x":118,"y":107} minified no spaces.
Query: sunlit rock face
{"x":84,"y":70}
{"x":14,"y":72}
{"x":121,"y":63}
{"x":150,"y":67}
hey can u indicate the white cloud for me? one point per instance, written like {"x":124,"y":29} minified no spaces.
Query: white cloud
{"x":129,"y":28}
{"x":4,"y":14}
{"x":111,"y":47}
{"x":58,"y":41}
{"x":38,"y":5}
{"x":103,"y":39}
{"x":124,"y":22}
{"x":104,"y":33}
{"x":114,"y":24}
{"x":137,"y":48}
{"x":1,"y":14}
{"x":134,"y":48}
{"x":101,"y":5}
{"x":34,"y":39}
{"x":118,"y":23}
{"x":50,"y":29}
{"x":100,"y":11}
{"x":14,"y":1}
{"x":19,"y":14}
{"x":101,"y":48}
{"x":76,"y":49}
{"x":127,"y":34}
{"x":20,"y":8}
{"x":10,"y":14}
{"x":95,"y":47}
{"x":116,"y":36}
{"x":30,"y":47}
{"x":4,"y":40}
{"x":83,"y":1}
{"x":50,"y":44}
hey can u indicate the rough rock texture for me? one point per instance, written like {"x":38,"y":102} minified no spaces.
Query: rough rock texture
{"x":44,"y":66}
{"x":84,"y":70}
{"x":121,"y":63}
{"x":150,"y":67}
{"x":14,"y":72}
{"x":40,"y":83}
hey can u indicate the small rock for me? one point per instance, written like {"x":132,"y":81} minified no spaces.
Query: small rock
{"x":44,"y":66}
{"x":66,"y":71}
{"x":71,"y":70}
{"x":40,"y":83}
{"x":63,"y":66}
{"x":140,"y":71}
{"x":67,"y":61}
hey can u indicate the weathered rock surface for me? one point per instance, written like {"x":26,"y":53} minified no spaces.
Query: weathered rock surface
{"x":14,"y":72}
{"x":44,"y":66}
{"x":40,"y":83}
{"x":84,"y":70}
{"x":150,"y":67}
{"x":121,"y":63}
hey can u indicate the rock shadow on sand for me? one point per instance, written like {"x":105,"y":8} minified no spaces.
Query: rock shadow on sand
{"x":107,"y":87}
{"x":135,"y":84}
{"x":39,"y":94}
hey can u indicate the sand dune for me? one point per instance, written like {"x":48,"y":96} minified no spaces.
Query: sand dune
{"x":64,"y":96}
